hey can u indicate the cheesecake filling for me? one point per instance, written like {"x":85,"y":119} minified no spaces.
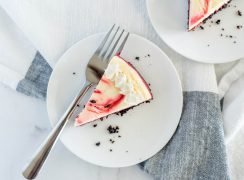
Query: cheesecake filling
{"x":116,"y":74}
{"x":202,"y":9}
{"x":120,"y":88}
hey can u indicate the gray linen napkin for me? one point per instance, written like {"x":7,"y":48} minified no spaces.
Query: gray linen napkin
{"x":197,"y":150}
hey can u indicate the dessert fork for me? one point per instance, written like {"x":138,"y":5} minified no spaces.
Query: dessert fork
{"x":113,"y":43}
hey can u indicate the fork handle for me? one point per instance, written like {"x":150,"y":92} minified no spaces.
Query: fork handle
{"x":35,"y":165}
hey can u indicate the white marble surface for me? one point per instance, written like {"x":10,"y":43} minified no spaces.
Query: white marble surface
{"x":24,"y":124}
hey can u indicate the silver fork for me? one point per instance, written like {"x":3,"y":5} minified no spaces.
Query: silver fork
{"x":94,"y":71}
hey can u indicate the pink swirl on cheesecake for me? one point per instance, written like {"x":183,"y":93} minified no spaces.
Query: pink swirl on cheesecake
{"x":199,"y":16}
{"x":106,"y":106}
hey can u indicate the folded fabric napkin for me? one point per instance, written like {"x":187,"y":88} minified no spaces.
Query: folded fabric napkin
{"x":34,"y":34}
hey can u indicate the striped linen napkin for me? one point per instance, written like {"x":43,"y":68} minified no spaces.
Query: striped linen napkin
{"x":198,"y":147}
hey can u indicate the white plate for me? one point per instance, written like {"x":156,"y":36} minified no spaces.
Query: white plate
{"x":169,"y":18}
{"x":144,"y":130}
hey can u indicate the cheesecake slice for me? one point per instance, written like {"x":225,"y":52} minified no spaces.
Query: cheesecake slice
{"x":121,"y":87}
{"x":200,"y":10}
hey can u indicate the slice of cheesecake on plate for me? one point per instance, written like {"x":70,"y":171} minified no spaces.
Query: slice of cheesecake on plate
{"x":200,"y":10}
{"x":121,"y":87}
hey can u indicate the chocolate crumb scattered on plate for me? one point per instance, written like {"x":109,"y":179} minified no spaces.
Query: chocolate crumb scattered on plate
{"x":113,"y":129}
{"x":239,"y":26}
{"x":218,"y":21}
{"x":239,"y":13}
{"x":97,"y":143}
{"x":112,"y":141}
{"x":92,"y":101}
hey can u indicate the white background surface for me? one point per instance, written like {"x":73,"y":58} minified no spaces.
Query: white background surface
{"x":24,"y":124}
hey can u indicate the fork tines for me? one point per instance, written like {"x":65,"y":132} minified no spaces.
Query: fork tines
{"x":113,"y":43}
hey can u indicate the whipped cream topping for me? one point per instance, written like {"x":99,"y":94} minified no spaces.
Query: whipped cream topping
{"x":115,"y":74}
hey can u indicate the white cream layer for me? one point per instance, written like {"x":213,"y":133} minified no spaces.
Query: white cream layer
{"x":119,"y":76}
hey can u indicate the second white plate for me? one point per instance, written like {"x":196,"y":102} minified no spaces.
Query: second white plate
{"x":144,"y":130}
{"x":170,"y":18}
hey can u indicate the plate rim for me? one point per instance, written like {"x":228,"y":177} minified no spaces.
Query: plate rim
{"x":166,"y":58}
{"x":201,"y":60}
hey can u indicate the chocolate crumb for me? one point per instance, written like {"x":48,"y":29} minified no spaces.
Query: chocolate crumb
{"x":238,"y":26}
{"x":107,"y":106}
{"x":201,"y":27}
{"x":230,"y":36}
{"x":119,"y":136}
{"x":92,"y":101}
{"x":110,"y":150}
{"x":98,"y":144}
{"x":101,"y":118}
{"x":208,"y":45}
{"x":121,"y":113}
{"x":147,"y":101}
{"x":239,"y":13}
{"x":149,"y":84}
{"x":211,"y":21}
{"x":234,"y":42}
{"x":112,"y":129}
{"x":74,"y":73}
{"x":84,"y":106}
{"x":112,"y":141}
{"x":94,"y":125}
{"x":137,"y":58}
{"x":221,"y":35}
{"x":218,"y":21}
{"x":222,"y":29}
{"x":78,"y":105}
{"x":148,"y":55}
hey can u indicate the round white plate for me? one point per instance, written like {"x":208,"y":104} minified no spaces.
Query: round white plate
{"x":170,"y":18}
{"x":144,"y":130}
